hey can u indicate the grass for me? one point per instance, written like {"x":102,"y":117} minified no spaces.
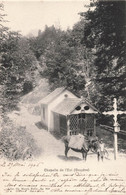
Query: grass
{"x":16,"y":143}
{"x":108,"y":138}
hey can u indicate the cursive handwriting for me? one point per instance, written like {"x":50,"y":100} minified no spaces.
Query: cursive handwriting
{"x":62,"y":180}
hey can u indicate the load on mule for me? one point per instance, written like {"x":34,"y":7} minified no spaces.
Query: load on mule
{"x":78,"y":143}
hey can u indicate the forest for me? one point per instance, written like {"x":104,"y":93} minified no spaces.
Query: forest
{"x":88,"y":59}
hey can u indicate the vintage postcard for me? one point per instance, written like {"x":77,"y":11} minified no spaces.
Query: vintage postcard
{"x":62,"y":97}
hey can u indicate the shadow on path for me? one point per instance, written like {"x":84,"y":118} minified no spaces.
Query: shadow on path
{"x":70,"y":158}
{"x":39,"y":125}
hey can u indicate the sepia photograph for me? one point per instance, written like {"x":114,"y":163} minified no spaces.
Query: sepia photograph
{"x":62,"y":97}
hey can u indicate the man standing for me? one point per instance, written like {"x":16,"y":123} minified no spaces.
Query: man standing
{"x":101,"y":150}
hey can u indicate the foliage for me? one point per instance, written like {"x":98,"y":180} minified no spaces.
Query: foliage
{"x":63,"y":59}
{"x":3,"y":34}
{"x":105,"y":37}
{"x":18,"y":65}
{"x":16,"y":143}
{"x":39,"y":44}
{"x":84,"y":61}
{"x":27,"y":87}
{"x":3,"y":28}
{"x":61,"y":64}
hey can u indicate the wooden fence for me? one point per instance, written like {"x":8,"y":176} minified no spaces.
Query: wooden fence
{"x":121,"y":133}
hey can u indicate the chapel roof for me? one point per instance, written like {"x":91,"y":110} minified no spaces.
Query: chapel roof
{"x":52,"y":95}
{"x":69,"y":104}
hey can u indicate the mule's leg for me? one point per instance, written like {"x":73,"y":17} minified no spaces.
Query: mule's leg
{"x":66,"y":150}
{"x":85,"y":156}
{"x":102,"y":156}
{"x":98,"y":155}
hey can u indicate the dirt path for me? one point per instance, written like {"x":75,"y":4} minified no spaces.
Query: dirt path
{"x":50,"y":146}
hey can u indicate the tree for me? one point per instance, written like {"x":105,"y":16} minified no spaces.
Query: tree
{"x":84,"y":60}
{"x":60,"y":59}
{"x":3,"y":35}
{"x":43,"y":40}
{"x":17,"y":68}
{"x":64,"y":60}
{"x":105,"y":37}
{"x":3,"y":28}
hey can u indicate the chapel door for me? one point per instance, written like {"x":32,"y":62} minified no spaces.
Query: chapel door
{"x":73,"y":125}
{"x":81,"y":123}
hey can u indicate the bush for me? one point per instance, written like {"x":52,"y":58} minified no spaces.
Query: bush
{"x":27,"y":87}
{"x":16,"y":143}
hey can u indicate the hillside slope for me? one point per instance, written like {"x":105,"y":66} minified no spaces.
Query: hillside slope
{"x":37,"y":94}
{"x":32,"y":99}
